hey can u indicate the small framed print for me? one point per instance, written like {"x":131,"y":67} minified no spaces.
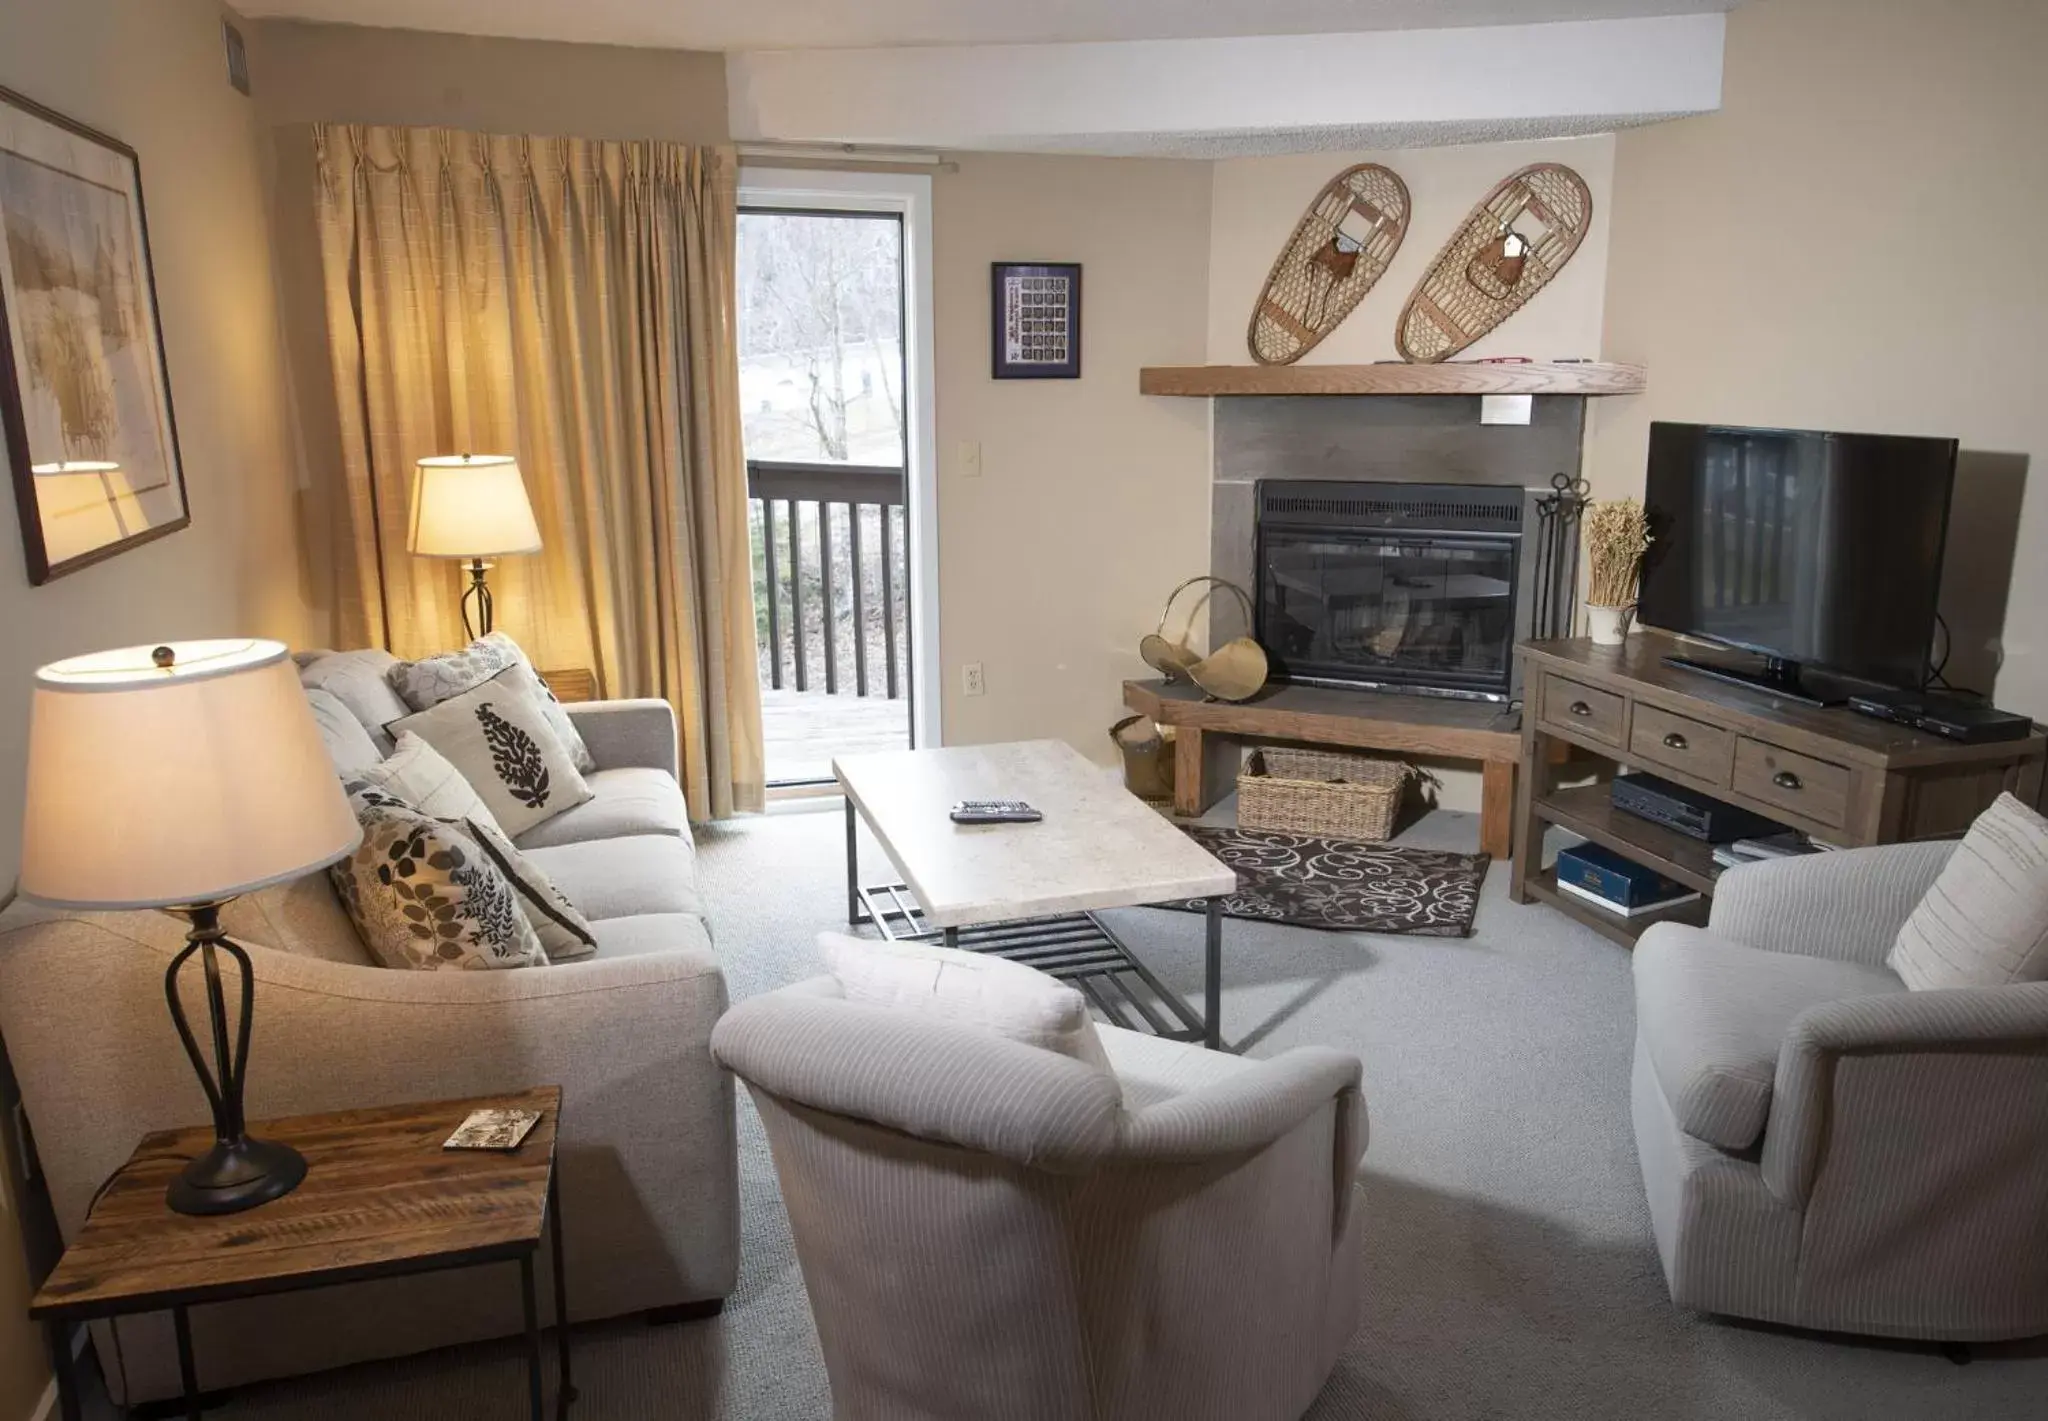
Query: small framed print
{"x":1035,"y":320}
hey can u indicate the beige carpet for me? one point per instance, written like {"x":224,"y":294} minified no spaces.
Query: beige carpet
{"x":1511,"y":1272}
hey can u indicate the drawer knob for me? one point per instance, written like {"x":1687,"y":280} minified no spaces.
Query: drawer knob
{"x":1675,"y":740}
{"x":1580,"y":708}
{"x":1785,"y":779}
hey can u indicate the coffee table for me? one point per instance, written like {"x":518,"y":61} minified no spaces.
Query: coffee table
{"x":1028,"y":892}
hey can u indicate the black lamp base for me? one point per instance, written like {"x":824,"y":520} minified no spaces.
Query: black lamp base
{"x":235,"y":1175}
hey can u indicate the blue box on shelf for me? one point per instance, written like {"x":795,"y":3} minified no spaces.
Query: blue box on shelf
{"x":1621,"y":881}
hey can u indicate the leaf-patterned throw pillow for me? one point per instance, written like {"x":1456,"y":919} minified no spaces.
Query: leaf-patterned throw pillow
{"x":496,"y":738}
{"x":424,"y":896}
{"x":564,"y":932}
{"x":425,"y":684}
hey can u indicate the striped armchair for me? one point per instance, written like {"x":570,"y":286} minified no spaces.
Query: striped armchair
{"x":1822,"y":1147}
{"x":991,"y":1230}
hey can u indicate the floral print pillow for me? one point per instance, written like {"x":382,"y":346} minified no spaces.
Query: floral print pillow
{"x":424,"y":896}
{"x":425,"y":684}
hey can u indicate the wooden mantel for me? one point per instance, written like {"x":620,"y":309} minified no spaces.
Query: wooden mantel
{"x":1453,"y":377}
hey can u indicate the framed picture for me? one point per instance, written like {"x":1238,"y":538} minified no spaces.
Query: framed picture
{"x":85,"y":396}
{"x":1036,"y":320}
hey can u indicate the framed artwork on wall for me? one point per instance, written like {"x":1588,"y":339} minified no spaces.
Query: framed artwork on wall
{"x":85,"y":395}
{"x":1035,"y":322}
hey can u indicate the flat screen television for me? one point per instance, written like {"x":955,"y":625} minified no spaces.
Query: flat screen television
{"x":1810,"y":548}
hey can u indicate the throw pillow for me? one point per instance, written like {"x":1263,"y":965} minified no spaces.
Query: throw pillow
{"x":425,"y":684}
{"x":1984,"y":923}
{"x":496,"y":738}
{"x":971,"y":988}
{"x":563,"y":932}
{"x":420,"y":776}
{"x":424,"y":896}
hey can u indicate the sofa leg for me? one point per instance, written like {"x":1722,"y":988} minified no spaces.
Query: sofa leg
{"x":1957,"y":1352}
{"x":685,"y":1312}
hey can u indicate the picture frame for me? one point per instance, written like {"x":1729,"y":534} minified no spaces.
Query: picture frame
{"x":85,"y":389}
{"x":1035,"y":320}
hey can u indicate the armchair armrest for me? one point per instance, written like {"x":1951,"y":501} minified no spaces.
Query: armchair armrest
{"x":628,"y":734}
{"x":1848,"y":904}
{"x":924,"y":1077}
{"x":1975,"y":1033}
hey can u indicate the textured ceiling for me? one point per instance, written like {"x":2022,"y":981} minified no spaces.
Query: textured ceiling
{"x":813,"y":24}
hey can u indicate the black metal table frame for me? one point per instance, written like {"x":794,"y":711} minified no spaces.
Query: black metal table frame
{"x":57,"y":1324}
{"x":1078,"y":948}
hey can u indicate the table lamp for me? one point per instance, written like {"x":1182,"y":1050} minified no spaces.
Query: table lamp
{"x":179,"y":777}
{"x":471,"y":506}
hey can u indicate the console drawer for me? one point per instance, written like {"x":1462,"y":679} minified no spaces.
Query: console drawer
{"x":1705,"y":752}
{"x":1572,"y":705}
{"x":1813,"y":789}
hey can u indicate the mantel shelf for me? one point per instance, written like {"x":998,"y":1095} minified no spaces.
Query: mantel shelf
{"x":1466,"y":377}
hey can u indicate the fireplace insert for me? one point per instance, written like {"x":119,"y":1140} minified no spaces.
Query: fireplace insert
{"x":1408,"y":587}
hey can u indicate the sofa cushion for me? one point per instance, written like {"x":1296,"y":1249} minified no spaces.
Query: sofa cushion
{"x":421,"y":776}
{"x":1151,"y":1069}
{"x":425,"y":896}
{"x":622,"y":802}
{"x":971,"y":988}
{"x":497,"y":738}
{"x":622,"y":878}
{"x":1984,"y":923}
{"x":652,"y":932}
{"x":349,"y":746}
{"x":303,"y":917}
{"x":358,"y":679}
{"x":1713,"y":1014}
{"x":425,"y":684}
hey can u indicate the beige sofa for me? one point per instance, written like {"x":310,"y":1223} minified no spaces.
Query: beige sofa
{"x":992,"y":1230}
{"x":647,"y":1155}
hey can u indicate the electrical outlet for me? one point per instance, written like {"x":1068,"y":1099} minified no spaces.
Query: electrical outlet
{"x":971,"y":683}
{"x":967,"y":458}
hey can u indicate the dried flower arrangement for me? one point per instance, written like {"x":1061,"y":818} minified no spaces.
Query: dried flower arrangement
{"x":1617,"y":535}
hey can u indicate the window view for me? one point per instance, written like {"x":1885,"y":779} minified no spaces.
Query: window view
{"x":822,"y":386}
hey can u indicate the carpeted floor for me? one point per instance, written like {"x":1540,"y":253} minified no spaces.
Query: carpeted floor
{"x":1511,"y":1273}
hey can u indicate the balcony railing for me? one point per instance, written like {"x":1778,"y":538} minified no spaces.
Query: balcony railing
{"x":831,"y":602}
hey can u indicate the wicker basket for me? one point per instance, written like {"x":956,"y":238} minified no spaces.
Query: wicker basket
{"x":1321,"y":792}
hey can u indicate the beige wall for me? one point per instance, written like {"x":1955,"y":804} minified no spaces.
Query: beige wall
{"x":1850,"y":244}
{"x":1093,"y":499}
{"x":306,"y":73}
{"x":1257,"y":202}
{"x":151,"y":72}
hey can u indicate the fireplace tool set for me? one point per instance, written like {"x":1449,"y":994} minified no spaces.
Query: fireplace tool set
{"x":1556,"y":584}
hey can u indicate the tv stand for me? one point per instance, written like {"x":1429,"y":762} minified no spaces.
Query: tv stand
{"x":1777,"y":676}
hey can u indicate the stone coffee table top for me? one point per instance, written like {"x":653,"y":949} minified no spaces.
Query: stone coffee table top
{"x":1097,"y":847}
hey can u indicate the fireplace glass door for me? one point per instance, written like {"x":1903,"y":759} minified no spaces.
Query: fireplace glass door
{"x":1358,"y":607}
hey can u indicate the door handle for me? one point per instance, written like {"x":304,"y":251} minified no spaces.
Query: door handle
{"x":1785,"y":779}
{"x":1675,"y":740}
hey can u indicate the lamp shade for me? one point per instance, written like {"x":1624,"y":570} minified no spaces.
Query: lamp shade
{"x":470,"y":506}
{"x":153,"y":785}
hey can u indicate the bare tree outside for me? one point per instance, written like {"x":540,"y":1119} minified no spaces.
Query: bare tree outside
{"x":821,"y":382}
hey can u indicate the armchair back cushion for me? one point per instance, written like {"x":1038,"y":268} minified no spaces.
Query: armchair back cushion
{"x":1984,"y":923}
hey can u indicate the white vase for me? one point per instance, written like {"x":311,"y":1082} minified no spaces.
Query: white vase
{"x":1608,"y":626}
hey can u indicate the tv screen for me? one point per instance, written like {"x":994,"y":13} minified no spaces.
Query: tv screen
{"x":1805,"y":546}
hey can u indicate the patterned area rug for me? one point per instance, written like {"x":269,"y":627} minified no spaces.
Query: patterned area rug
{"x":1343,"y":884}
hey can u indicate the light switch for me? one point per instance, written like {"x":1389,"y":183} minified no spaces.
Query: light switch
{"x":967,"y":459}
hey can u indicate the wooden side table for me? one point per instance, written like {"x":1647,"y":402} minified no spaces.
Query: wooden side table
{"x":381,"y":1199}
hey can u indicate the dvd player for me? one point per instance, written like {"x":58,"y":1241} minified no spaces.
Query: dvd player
{"x":1695,"y":815}
{"x":1951,"y":717}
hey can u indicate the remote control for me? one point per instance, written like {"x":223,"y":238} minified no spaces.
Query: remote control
{"x":995,"y":811}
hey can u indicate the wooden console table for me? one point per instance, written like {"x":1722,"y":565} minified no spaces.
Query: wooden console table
{"x":1841,"y":777}
{"x":1210,"y":734}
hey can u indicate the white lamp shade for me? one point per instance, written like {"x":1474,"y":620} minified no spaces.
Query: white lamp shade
{"x":151,"y":787}
{"x":470,"y":506}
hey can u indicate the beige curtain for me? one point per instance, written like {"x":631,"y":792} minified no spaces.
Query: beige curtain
{"x":570,"y":302}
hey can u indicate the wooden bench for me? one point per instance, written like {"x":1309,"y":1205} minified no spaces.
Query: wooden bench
{"x":1210,"y":734}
